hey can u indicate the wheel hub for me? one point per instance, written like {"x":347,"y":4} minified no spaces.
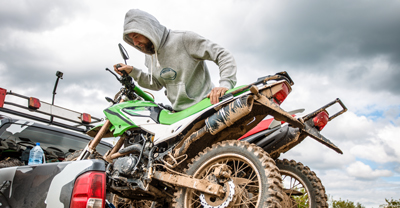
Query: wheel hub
{"x":210,"y":201}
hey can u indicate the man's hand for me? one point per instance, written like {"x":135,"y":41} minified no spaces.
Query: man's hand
{"x":123,"y":67}
{"x":215,"y":93}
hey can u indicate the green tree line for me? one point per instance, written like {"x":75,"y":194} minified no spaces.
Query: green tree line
{"x":349,"y":204}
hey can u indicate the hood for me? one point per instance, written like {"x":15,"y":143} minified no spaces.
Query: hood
{"x":138,"y":21}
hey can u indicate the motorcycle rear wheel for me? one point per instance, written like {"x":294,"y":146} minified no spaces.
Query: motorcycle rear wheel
{"x":260,"y":184}
{"x":302,"y":186}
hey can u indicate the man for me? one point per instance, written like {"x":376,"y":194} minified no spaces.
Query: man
{"x":176,"y":61}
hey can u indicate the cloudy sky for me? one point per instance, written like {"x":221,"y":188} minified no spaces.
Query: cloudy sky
{"x":332,"y":49}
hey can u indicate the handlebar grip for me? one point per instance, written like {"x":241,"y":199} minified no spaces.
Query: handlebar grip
{"x":124,"y":73}
{"x":138,"y":91}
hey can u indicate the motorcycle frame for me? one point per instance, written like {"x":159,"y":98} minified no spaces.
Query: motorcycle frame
{"x":263,"y":94}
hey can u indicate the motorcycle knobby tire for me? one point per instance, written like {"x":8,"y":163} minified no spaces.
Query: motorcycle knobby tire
{"x":299,"y":174}
{"x":248,"y":162}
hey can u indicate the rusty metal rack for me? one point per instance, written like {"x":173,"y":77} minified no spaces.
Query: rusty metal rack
{"x":33,"y":108}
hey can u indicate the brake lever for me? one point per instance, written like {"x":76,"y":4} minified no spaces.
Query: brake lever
{"x":116,"y":76}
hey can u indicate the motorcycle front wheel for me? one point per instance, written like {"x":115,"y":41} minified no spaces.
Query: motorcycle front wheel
{"x":253,"y":180}
{"x":301,"y":185}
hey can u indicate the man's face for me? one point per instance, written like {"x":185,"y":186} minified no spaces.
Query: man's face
{"x":142,"y":43}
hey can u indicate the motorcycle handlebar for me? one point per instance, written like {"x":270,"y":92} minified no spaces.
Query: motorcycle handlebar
{"x":127,"y":82}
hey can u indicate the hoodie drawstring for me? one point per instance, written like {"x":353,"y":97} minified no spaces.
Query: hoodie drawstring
{"x":151,"y":70}
{"x":151,"y":67}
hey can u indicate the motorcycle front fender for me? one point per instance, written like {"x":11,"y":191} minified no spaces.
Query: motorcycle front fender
{"x":92,"y":132}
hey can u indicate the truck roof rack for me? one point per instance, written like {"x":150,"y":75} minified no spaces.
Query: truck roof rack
{"x":45,"y":112}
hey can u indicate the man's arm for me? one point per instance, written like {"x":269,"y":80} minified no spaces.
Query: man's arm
{"x":203,"y":49}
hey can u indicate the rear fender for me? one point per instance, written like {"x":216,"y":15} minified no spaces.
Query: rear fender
{"x":310,"y":130}
{"x":275,"y":110}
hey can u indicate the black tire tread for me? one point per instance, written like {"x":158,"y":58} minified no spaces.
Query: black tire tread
{"x":271,"y":171}
{"x":317,"y":189}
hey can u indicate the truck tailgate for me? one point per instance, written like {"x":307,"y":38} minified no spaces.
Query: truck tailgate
{"x":45,"y":185}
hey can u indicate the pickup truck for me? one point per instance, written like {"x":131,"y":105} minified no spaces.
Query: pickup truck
{"x":56,"y":183}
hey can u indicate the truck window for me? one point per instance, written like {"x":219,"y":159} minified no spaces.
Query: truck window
{"x":18,"y":138}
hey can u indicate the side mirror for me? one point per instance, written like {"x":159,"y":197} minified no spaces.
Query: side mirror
{"x":123,"y":52}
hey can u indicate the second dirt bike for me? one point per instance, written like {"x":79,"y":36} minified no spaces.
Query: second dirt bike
{"x":302,"y":187}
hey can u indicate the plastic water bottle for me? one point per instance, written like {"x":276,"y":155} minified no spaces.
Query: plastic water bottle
{"x":36,"y":155}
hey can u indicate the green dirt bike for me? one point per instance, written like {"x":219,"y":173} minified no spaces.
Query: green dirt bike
{"x":191,"y":158}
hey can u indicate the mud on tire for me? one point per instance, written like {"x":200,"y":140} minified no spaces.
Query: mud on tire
{"x":297,"y":177}
{"x":248,"y":162}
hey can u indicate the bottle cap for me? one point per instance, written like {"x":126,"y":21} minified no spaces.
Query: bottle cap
{"x":37,"y":143}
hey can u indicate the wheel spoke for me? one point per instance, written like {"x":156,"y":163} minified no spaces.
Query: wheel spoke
{"x":247,"y":201}
{"x":245,"y":170}
{"x":241,"y":167}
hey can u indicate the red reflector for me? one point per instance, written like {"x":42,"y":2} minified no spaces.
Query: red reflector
{"x":320,"y":120}
{"x":86,"y":118}
{"x":34,"y":103}
{"x":281,"y":95}
{"x":89,"y":190}
{"x":3,"y":93}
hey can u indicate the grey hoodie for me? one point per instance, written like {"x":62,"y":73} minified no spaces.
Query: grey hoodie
{"x":178,"y":63}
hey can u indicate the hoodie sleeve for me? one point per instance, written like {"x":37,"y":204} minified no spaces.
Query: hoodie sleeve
{"x":143,"y":79}
{"x":203,"y":49}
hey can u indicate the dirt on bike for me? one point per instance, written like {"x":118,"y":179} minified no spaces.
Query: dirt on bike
{"x":192,"y":158}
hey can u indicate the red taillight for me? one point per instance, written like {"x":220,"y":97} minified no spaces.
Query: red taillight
{"x":86,"y":118}
{"x":34,"y":103}
{"x":89,"y":191}
{"x":281,"y":95}
{"x":320,"y":120}
{"x":3,"y":93}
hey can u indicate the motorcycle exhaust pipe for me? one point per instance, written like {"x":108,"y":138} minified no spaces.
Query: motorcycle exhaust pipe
{"x":225,"y":117}
{"x":229,"y":114}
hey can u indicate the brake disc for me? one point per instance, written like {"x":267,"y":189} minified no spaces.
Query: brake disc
{"x":209,"y":201}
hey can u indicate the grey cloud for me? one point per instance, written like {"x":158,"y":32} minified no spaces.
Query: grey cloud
{"x":389,"y":150}
{"x":40,"y":15}
{"x":311,"y":32}
{"x":24,"y":65}
{"x":339,"y":39}
{"x":388,"y":81}
{"x":365,"y":76}
{"x":392,"y":113}
{"x":26,"y":69}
